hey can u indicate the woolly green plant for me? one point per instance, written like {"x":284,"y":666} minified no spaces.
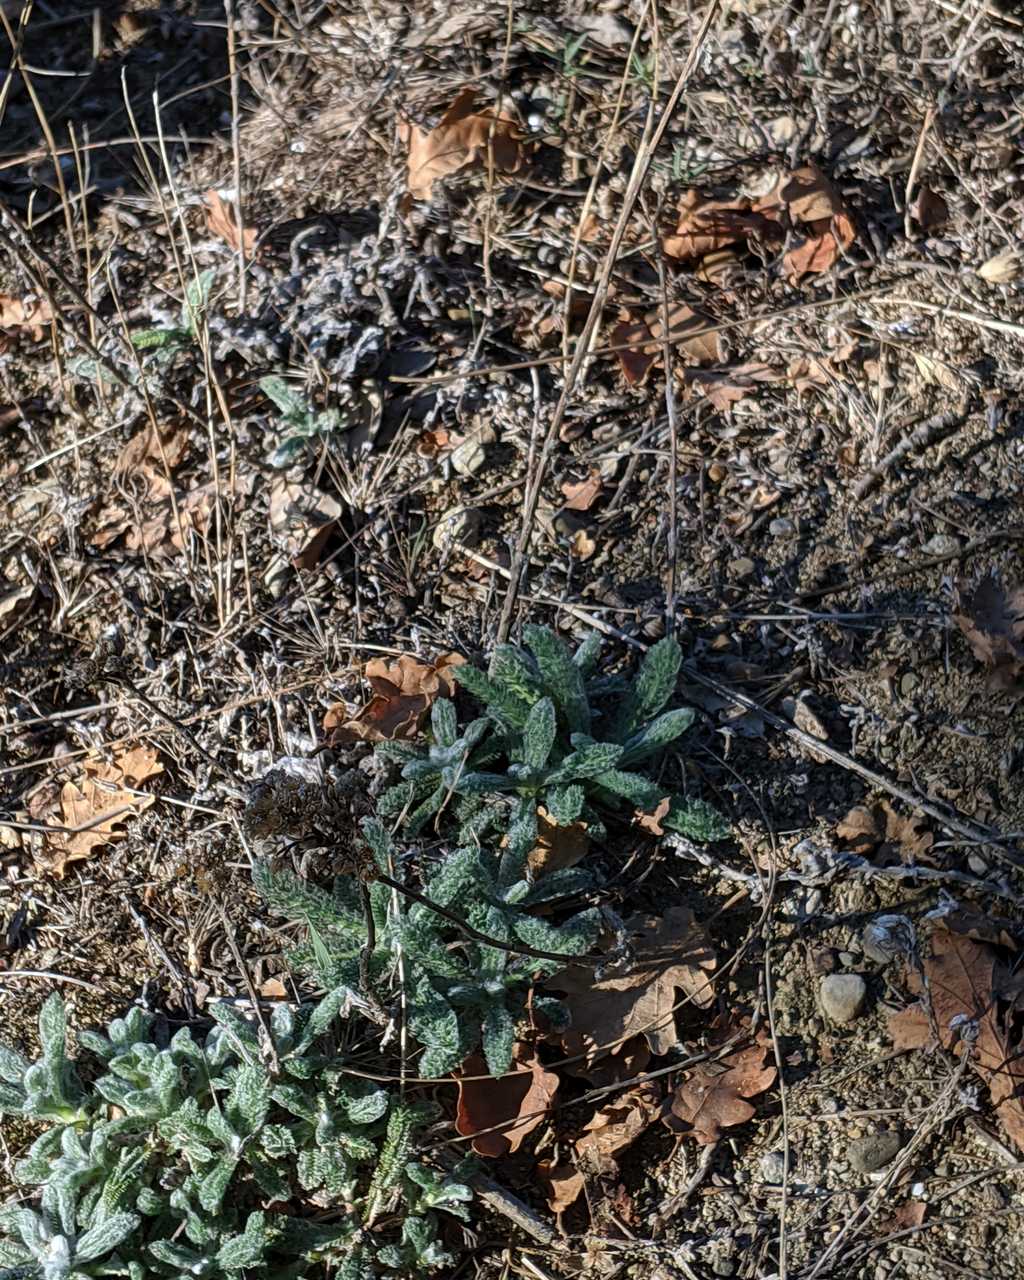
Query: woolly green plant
{"x":554,"y":733}
{"x":459,"y":991}
{"x":247,"y":1153}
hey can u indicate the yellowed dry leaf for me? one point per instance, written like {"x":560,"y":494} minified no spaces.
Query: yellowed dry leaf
{"x":103,"y":798}
{"x":461,"y":138}
{"x":557,"y":847}
{"x":1002,"y":268}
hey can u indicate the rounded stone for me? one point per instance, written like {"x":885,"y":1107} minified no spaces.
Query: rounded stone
{"x":842,"y":996}
{"x":874,"y":1151}
{"x":773,"y":1166}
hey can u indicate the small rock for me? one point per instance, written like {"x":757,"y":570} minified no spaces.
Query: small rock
{"x":875,"y":1151}
{"x":782,"y":528}
{"x":977,"y":864}
{"x":468,"y":457}
{"x":741,"y":568}
{"x":842,"y":996}
{"x":457,"y":525}
{"x":773,"y":1166}
{"x":847,"y":958}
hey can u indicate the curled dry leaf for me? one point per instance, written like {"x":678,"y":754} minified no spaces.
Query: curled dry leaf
{"x":460,"y":139}
{"x":302,"y":518}
{"x":616,"y":1125}
{"x":823,"y":219}
{"x":563,"y":1185}
{"x":991,"y":616}
{"x":962,"y":986}
{"x":671,"y":952}
{"x":930,"y":210}
{"x":517,"y":1102}
{"x":1002,"y":268}
{"x":687,"y":331}
{"x":652,"y":821}
{"x":403,"y":693}
{"x":726,"y":387}
{"x":557,"y":848}
{"x":706,"y":225}
{"x":18,"y":316}
{"x":220,"y":221}
{"x":582,"y":496}
{"x":878,"y":830}
{"x":714,"y":1096}
{"x":102,"y":798}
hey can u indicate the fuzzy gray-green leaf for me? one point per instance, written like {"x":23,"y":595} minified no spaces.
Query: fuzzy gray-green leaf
{"x":561,"y":675}
{"x":539,"y":734}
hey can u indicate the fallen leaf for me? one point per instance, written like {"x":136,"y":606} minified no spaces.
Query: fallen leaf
{"x":302,"y":518}
{"x":960,"y":975}
{"x":936,"y":372}
{"x":991,"y":616}
{"x":273,"y":989}
{"x":103,"y":797}
{"x":687,"y":331}
{"x":878,"y":830}
{"x":1002,"y":268}
{"x":583,"y":545}
{"x":616,"y":1125}
{"x":930,"y":210}
{"x":18,"y":316}
{"x":403,"y":693}
{"x":714,"y":1095}
{"x":461,"y":138}
{"x":706,"y":225}
{"x":517,"y":1102}
{"x":652,"y":821}
{"x":557,"y":848}
{"x":810,"y":373}
{"x":220,"y":220}
{"x":671,"y":951}
{"x":582,"y":496}
{"x":563,"y":1184}
{"x":812,"y":201}
{"x":726,"y":387}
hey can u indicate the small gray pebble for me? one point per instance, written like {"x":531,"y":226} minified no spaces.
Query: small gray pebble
{"x":847,"y":958}
{"x":782,"y":528}
{"x":978,"y":865}
{"x":829,"y":1105}
{"x":722,"y":1267}
{"x":773,"y":1166}
{"x":874,"y":1151}
{"x":842,"y":996}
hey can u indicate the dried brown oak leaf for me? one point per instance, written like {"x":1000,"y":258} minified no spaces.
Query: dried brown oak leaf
{"x":991,"y":616}
{"x":671,"y":953}
{"x":220,"y":221}
{"x":714,"y":1096}
{"x":102,"y":798}
{"x":461,"y":138}
{"x":827,"y":228}
{"x":517,"y":1102}
{"x":557,"y":848}
{"x":878,"y":830}
{"x":403,"y":693}
{"x":302,"y":519}
{"x":616,"y":1125}
{"x":961,"y":977}
{"x":726,"y":387}
{"x":563,"y":1184}
{"x":17,"y":316}
{"x":641,"y":341}
{"x":706,"y":225}
{"x":582,"y":496}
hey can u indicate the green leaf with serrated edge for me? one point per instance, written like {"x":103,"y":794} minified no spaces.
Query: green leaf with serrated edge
{"x":451,"y":876}
{"x":696,"y":819}
{"x":634,"y":787}
{"x":657,"y":734}
{"x":12,"y":1100}
{"x":444,"y":722}
{"x":244,"y":1036}
{"x":564,"y":804}
{"x":105,"y":1236}
{"x":587,"y":761}
{"x":187,"y":1261}
{"x":247,"y":1103}
{"x":197,"y":297}
{"x":215,"y":1183}
{"x":513,"y":671}
{"x":565,"y":883}
{"x":498,"y":1037}
{"x":587,"y":655}
{"x":652,"y":688}
{"x":13,"y":1065}
{"x":562,"y":677}
{"x":539,"y":734}
{"x":155,"y":339}
{"x":322,"y":1016}
{"x":366,"y":1107}
{"x":52,"y":1028}
{"x":289,"y":403}
{"x":481,"y":686}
